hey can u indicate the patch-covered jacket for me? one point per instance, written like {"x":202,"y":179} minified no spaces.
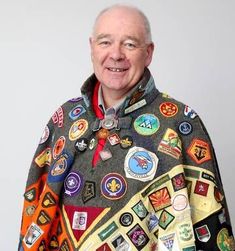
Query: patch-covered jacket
{"x":156,"y":185}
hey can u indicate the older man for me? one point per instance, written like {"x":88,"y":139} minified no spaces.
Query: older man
{"x":125,"y":167}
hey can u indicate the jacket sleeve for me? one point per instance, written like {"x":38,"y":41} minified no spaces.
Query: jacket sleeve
{"x":210,"y":216}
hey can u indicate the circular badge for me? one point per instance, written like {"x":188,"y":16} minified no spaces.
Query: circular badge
{"x":126,"y":142}
{"x":73,"y":183}
{"x":185,"y":128}
{"x":76,"y":112}
{"x":58,"y":147}
{"x":146,"y":124}
{"x":179,"y":202}
{"x":113,"y":186}
{"x":81,"y":145}
{"x":126,"y":219}
{"x":140,"y":164}
{"x":77,"y":129}
{"x":223,"y":240}
{"x":168,"y":109}
{"x":45,"y":135}
{"x":102,"y":133}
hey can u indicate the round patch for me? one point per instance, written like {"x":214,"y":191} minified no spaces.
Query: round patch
{"x":76,"y":112}
{"x":185,"y":128}
{"x":30,"y":210}
{"x":81,"y":145}
{"x":126,"y":219}
{"x":126,"y":142}
{"x":146,"y":124}
{"x":180,"y":202}
{"x":77,"y":129}
{"x":113,"y":186}
{"x":168,"y":109}
{"x":140,"y":164}
{"x":45,"y":135}
{"x":223,"y":240}
{"x":73,"y":183}
{"x":58,"y":147}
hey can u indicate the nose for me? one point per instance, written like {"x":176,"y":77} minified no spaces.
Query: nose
{"x":116,"y":52}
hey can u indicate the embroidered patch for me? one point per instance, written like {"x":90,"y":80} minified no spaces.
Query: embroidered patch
{"x":92,"y":144}
{"x":168,"y":109}
{"x":42,"y":246}
{"x":135,"y":106}
{"x":189,"y":112}
{"x":185,"y":231}
{"x":171,"y":144}
{"x":138,"y":237}
{"x":76,"y":112}
{"x":73,"y":183}
{"x":79,"y":221}
{"x":30,"y":194}
{"x":45,"y":135}
{"x":58,"y":147}
{"x":64,"y":246}
{"x":104,"y":247}
{"x":126,"y":219}
{"x":60,"y":168}
{"x":185,"y":128}
{"x":58,"y":117}
{"x":165,"y":219}
{"x":105,"y":154}
{"x":88,"y":191}
{"x":48,"y":200}
{"x":113,"y":186}
{"x":208,"y":177}
{"x":201,"y":188}
{"x":44,"y":158}
{"x":218,"y":195}
{"x":75,"y":99}
{"x":102,"y":133}
{"x":152,"y":221}
{"x":178,"y":182}
{"x":120,"y":243}
{"x":199,"y":151}
{"x":146,"y":124}
{"x":81,"y":145}
{"x":54,"y":243}
{"x":113,"y":139}
{"x":33,"y":233}
{"x":140,"y":164}
{"x":30,"y":210}
{"x":191,"y":248}
{"x":179,"y":202}
{"x":223,"y":242}
{"x":108,"y":231}
{"x":126,"y":142}
{"x":77,"y":129}
{"x":43,"y":218}
{"x":203,"y":233}
{"x":136,"y":96}
{"x":168,"y":240}
{"x":160,"y":199}
{"x":140,"y":210}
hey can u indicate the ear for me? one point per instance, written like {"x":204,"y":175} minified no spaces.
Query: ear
{"x":150,"y":49}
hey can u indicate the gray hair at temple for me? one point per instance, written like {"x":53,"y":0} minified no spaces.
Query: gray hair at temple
{"x":130,"y":7}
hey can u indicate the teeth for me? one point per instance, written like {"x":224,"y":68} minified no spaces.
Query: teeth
{"x":116,"y":69}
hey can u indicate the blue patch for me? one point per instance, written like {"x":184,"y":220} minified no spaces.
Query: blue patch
{"x":60,"y":168}
{"x":185,"y":128}
{"x":73,"y":183}
{"x":76,"y":112}
{"x":73,"y":100}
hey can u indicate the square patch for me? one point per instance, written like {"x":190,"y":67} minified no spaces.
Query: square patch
{"x":160,"y":199}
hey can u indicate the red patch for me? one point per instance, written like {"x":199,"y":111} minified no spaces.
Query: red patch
{"x":160,"y":199}
{"x":201,"y":188}
{"x":104,"y":247}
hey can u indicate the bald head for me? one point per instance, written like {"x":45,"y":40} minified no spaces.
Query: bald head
{"x":123,"y":10}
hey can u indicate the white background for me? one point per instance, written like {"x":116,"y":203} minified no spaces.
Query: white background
{"x":45,"y":57}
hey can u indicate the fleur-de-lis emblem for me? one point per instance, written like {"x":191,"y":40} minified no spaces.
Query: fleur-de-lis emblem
{"x":113,"y":186}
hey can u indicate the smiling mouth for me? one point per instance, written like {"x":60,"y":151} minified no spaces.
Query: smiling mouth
{"x":116,"y":69}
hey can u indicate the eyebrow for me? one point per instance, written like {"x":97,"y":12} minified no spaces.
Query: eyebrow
{"x":103,"y":35}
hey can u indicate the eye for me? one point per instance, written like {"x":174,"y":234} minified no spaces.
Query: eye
{"x":129,"y":45}
{"x":104,"y":43}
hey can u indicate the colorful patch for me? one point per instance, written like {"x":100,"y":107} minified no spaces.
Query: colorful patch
{"x":135,"y":106}
{"x":64,"y":246}
{"x":160,"y":199}
{"x":45,"y":135}
{"x":44,"y":158}
{"x":199,"y":151}
{"x":179,"y":202}
{"x":171,"y":144}
{"x":208,"y":177}
{"x":102,"y":133}
{"x":191,"y":173}
{"x":223,"y":240}
{"x":76,"y":112}
{"x":79,"y":221}
{"x":189,"y":112}
{"x":113,"y":186}
{"x":191,"y":248}
{"x":126,"y":142}
{"x":108,"y":231}
{"x":140,"y":210}
{"x":105,"y":154}
{"x":168,"y":109}
{"x":42,"y":246}
{"x":126,"y":219}
{"x":54,"y":243}
{"x":30,"y":210}
{"x":109,"y":123}
{"x":58,"y":147}
{"x":185,"y":231}
{"x":33,"y":233}
{"x":77,"y":129}
{"x":185,"y":128}
{"x":152,"y":221}
{"x":75,"y":99}
{"x":58,"y":117}
{"x":81,"y":145}
{"x":104,"y":247}
{"x":30,"y":195}
{"x":146,"y":124}
{"x":88,"y":191}
{"x":201,"y":188}
{"x":178,"y":182}
{"x":140,"y":164}
{"x":73,"y":183}
{"x":136,"y":96}
{"x":168,"y":241}
{"x":92,"y":144}
{"x":113,"y":139}
{"x":165,"y":219}
{"x":43,"y":218}
{"x":60,"y":168}
{"x":120,"y":244}
{"x":48,"y":200}
{"x":218,"y":195}
{"x":138,"y":237}
{"x":203,"y":233}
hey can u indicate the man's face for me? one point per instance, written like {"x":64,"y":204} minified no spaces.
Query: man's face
{"x":118,"y":49}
